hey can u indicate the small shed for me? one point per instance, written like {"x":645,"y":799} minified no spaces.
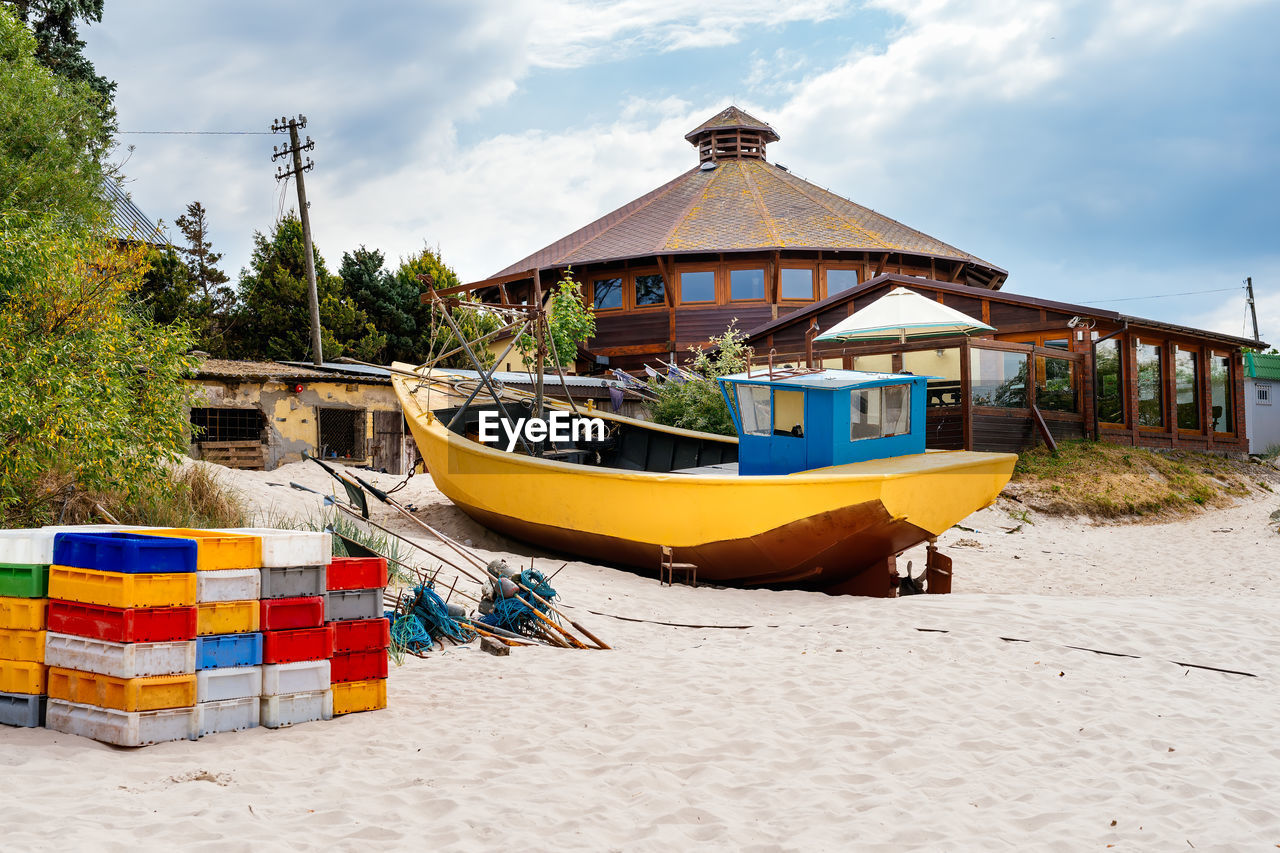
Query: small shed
{"x":1261,"y":411}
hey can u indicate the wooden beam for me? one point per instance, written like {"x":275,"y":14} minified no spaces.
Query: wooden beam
{"x":884,"y":260}
{"x":479,"y":285}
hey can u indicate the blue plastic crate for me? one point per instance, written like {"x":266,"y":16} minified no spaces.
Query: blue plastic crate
{"x":129,"y":553}
{"x":19,"y":709}
{"x":222,"y":650}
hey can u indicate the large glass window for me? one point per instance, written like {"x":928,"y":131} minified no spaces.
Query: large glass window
{"x":746,"y":284}
{"x":1056,"y":384}
{"x":998,"y":378}
{"x":1108,"y":386}
{"x":650,"y":290}
{"x":942,"y":366}
{"x":1150,"y":386}
{"x":839,"y":280}
{"x":754,"y":408}
{"x":797,"y":283}
{"x":1223,"y":410}
{"x":698,"y":286}
{"x":788,"y":413}
{"x":879,"y":412}
{"x":1186,"y":375}
{"x":608,"y":293}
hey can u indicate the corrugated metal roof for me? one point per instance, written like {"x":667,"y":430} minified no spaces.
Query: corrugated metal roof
{"x":1262,"y":365}
{"x":514,"y":377}
{"x":128,"y":222}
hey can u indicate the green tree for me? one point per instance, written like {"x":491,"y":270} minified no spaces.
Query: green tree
{"x":52,"y":136}
{"x":54,"y":24}
{"x":570,"y":320}
{"x":696,"y":403}
{"x":213,"y":308}
{"x":274,"y":293}
{"x":389,"y":300}
{"x":434,"y":335}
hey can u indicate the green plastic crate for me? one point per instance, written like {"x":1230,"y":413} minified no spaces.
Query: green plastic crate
{"x":23,"y":581}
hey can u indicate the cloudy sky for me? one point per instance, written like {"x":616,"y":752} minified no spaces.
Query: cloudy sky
{"x":1099,"y":151}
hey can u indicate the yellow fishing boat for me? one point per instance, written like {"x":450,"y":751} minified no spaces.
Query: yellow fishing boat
{"x":827,"y":482}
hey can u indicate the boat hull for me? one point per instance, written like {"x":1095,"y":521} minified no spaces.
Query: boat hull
{"x":831,"y":529}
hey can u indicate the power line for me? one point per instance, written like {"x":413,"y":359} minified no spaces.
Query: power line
{"x":195,"y":132}
{"x":1167,"y":295}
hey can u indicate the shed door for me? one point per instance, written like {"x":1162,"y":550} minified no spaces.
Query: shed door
{"x":388,"y":442}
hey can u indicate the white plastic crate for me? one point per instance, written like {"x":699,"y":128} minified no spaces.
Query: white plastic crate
{"x":122,"y":660}
{"x":227,"y":715}
{"x":304,"y":677}
{"x":293,"y":708}
{"x":233,"y":682}
{"x":26,"y":547}
{"x":228,"y":585}
{"x":290,"y":547}
{"x":122,"y":728}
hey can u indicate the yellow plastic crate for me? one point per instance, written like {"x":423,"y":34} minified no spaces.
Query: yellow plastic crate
{"x":22,"y":645}
{"x":217,"y":550}
{"x":353,"y":696}
{"x":21,"y":676}
{"x":22,"y":614}
{"x":153,"y":693}
{"x":227,"y":617}
{"x":115,"y":589}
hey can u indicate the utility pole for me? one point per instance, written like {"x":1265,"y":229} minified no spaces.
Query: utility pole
{"x":1253,"y":309}
{"x":295,"y":149}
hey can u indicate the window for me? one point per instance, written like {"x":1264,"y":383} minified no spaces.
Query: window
{"x":840,"y":280}
{"x":1220,"y":393}
{"x":1186,"y":376}
{"x":1057,"y":343}
{"x":880,"y":412}
{"x":754,"y":406}
{"x":1150,"y":376}
{"x":341,"y":433}
{"x":650,"y":290}
{"x":698,"y":286}
{"x":998,"y":378}
{"x":1107,"y":382}
{"x":607,"y":293}
{"x":1055,"y":384}
{"x":1262,"y":393}
{"x":788,"y":413}
{"x":227,"y":424}
{"x":746,"y":284}
{"x":942,"y":366}
{"x":797,"y":283}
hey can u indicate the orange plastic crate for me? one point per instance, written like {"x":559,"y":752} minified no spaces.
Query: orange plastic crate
{"x":23,"y":614}
{"x":226,"y":617}
{"x":22,"y":645}
{"x":353,"y":696}
{"x":114,"y":589}
{"x":217,"y":550}
{"x":20,"y":676}
{"x":152,"y":693}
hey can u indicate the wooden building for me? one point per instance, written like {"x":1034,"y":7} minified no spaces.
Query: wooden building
{"x":739,"y":239}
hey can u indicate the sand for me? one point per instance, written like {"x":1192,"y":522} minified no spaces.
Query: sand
{"x":975,"y":721}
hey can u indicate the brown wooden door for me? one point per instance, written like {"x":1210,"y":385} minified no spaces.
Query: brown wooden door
{"x":388,"y":442}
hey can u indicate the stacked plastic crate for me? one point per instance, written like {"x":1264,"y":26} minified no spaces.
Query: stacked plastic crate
{"x":121,"y":634}
{"x":353,"y":609}
{"x":25,"y":556}
{"x":296,"y":644}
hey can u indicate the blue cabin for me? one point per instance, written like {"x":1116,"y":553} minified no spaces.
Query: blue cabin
{"x":800,"y":420}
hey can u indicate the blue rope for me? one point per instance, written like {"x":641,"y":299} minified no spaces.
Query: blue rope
{"x":425,"y":620}
{"x":516,"y":613}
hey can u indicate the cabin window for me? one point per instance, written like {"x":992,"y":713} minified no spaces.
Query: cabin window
{"x":650,"y":290}
{"x":746,"y":284}
{"x":1223,"y":410}
{"x":1108,"y":386}
{"x":839,"y":280}
{"x":607,"y":293}
{"x":754,"y":409}
{"x":797,"y":283}
{"x":1150,"y":386}
{"x":880,"y":412}
{"x":998,"y":378}
{"x":942,"y":366}
{"x":1186,"y":376}
{"x":341,"y":433}
{"x":1056,"y":384}
{"x":698,"y":286}
{"x":788,"y":413}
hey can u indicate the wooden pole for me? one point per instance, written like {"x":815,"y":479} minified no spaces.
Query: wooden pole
{"x":296,"y":149}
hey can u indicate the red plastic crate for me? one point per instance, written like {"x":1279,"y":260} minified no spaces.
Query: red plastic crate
{"x":122,"y":625}
{"x":361,"y":635}
{"x":293,"y":646}
{"x":356,"y":573}
{"x":358,"y":666}
{"x":288,"y":614}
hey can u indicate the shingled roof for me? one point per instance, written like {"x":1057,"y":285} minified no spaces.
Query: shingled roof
{"x":738,"y":203}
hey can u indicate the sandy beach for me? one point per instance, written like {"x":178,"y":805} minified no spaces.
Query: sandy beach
{"x":1066,"y":697}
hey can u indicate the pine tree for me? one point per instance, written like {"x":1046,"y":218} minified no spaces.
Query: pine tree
{"x":213,"y":308}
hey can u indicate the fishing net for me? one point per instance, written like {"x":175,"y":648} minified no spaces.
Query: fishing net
{"x":424,"y":620}
{"x":517,"y":612}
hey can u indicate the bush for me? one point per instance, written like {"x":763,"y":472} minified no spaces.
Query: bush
{"x":696,"y":403}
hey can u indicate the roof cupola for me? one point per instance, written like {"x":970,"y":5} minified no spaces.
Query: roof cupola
{"x":731,"y":135}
